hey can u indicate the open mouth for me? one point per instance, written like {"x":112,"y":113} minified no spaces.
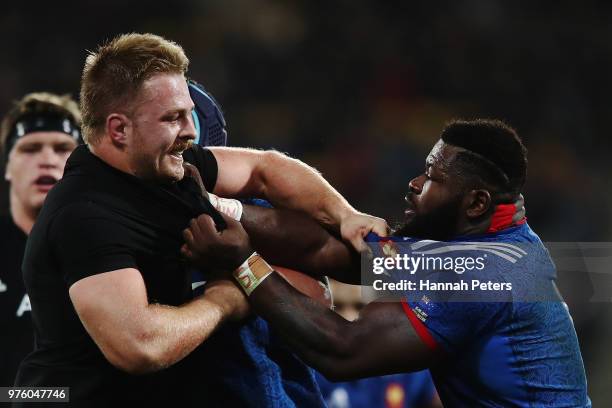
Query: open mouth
{"x":410,"y":208}
{"x":179,"y":148}
{"x":45,"y":181}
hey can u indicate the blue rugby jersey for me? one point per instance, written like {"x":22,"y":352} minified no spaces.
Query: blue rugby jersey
{"x":247,"y":364}
{"x":506,"y":350}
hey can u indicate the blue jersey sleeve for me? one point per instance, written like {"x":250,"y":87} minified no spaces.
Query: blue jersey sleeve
{"x":453,"y":325}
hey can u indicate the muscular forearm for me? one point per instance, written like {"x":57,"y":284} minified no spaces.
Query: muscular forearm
{"x":158,"y":336}
{"x":290,"y":183}
{"x":174,"y":332}
{"x":285,"y":182}
{"x":293,"y":240}
{"x":139,"y":337}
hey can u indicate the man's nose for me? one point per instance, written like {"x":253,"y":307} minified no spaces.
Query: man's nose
{"x":48,"y":157}
{"x":416,"y":184}
{"x":189,"y":130}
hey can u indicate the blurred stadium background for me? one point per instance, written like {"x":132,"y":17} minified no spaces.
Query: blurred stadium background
{"x":361,"y":90}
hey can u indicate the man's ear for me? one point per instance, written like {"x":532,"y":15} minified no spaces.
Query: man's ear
{"x":117,"y":127}
{"x":477,"y":203}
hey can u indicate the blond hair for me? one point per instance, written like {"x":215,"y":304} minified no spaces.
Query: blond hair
{"x":39,"y":103}
{"x":113,"y":75}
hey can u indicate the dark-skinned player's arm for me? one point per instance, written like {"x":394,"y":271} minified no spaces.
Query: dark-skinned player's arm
{"x":294,"y":240}
{"x":381,"y":341}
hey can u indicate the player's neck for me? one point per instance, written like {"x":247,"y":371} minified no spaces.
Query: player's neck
{"x":473,"y":228}
{"x":502,"y":217}
{"x":111,"y":155}
{"x":22,"y":217}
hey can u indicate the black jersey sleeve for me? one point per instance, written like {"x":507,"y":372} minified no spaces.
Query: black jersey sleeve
{"x":87,"y":240}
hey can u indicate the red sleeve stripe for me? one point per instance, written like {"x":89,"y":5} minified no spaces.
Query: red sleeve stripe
{"x":420,"y":328}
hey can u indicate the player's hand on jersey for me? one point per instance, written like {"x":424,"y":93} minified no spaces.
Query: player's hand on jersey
{"x":191,"y":171}
{"x":230,"y":297}
{"x":208,"y":248}
{"x":357,"y":225}
{"x":228,"y":206}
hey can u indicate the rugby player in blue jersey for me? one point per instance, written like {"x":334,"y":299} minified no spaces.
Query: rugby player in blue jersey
{"x":508,"y":352}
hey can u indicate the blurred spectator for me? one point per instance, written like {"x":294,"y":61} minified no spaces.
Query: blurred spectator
{"x":37,"y":135}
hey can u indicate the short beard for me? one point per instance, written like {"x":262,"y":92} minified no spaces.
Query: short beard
{"x":439,"y":224}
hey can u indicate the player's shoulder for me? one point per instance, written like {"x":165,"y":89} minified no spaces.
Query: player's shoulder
{"x":74,"y":215}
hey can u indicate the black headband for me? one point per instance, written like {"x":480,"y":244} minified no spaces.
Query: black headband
{"x":41,"y":122}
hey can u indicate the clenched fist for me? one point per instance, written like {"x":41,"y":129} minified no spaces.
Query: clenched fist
{"x":211,"y":249}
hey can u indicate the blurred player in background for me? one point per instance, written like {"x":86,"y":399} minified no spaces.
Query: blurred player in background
{"x":37,"y":136}
{"x":390,"y":391}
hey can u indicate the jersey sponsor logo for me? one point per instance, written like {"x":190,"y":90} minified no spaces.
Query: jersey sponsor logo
{"x":24,"y":306}
{"x":3,"y":287}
